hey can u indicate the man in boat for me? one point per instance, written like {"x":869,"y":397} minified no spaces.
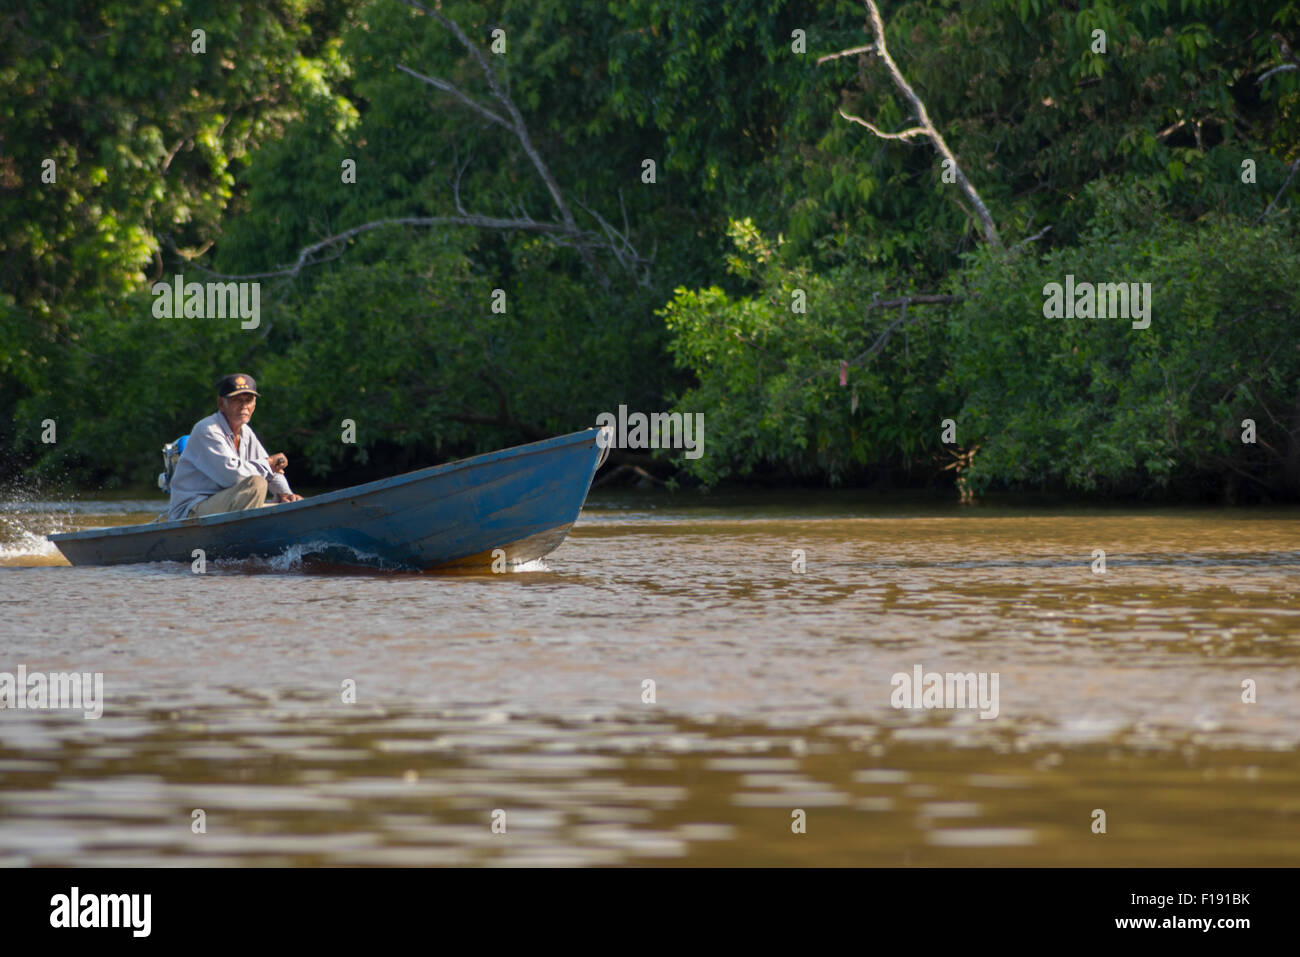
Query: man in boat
{"x":224,"y":468}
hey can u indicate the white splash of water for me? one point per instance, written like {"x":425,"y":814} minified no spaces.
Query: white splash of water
{"x":291,"y":558}
{"x":536,"y":565}
{"x":25,"y":544}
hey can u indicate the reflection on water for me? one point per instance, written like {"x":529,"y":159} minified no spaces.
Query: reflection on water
{"x":526,"y":693}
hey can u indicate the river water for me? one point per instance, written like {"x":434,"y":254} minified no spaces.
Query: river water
{"x":507,"y":719}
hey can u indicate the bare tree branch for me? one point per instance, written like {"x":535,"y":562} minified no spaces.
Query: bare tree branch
{"x":1034,"y":238}
{"x":565,"y":232}
{"x":902,"y":302}
{"x":1293,"y":61}
{"x":618,"y":243}
{"x":305,"y":257}
{"x":1284,"y":68}
{"x":454,"y":91}
{"x":460,"y":171}
{"x":926,"y":126}
{"x":904,"y":135}
{"x":516,"y":126}
{"x":851,"y":51}
{"x":1273,"y":202}
{"x":1172,"y":127}
{"x":924,"y":299}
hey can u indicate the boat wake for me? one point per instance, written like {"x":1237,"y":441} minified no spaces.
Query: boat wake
{"x":327,"y":556}
{"x":314,"y":556}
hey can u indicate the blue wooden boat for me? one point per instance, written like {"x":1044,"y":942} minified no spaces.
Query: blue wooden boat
{"x":522,"y":501}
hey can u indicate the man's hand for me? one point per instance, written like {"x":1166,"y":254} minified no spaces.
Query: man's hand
{"x":291,"y":497}
{"x":278,"y":462}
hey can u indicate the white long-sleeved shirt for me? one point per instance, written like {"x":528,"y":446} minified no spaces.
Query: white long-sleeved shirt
{"x":211,"y":463}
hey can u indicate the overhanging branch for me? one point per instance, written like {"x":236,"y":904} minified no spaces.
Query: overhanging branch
{"x":925,"y":126}
{"x":446,"y":87}
{"x":563,"y":231}
{"x":1293,"y":61}
{"x":516,"y":126}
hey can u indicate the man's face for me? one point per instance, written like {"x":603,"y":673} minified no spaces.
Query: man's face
{"x":237,"y":409}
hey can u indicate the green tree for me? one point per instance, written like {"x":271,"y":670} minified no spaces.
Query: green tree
{"x":146,"y":138}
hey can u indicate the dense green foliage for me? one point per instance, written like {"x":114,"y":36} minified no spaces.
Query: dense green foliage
{"x":147,"y":138}
{"x":1134,"y":159}
{"x":776,"y":228}
{"x":1095,"y":404}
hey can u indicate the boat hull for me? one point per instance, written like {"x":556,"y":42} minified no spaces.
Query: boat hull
{"x":514,"y":505}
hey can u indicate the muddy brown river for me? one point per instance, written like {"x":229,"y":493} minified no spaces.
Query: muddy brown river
{"x":738,"y":680}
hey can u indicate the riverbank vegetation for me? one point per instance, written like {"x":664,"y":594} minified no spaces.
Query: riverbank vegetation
{"x":666,"y":205}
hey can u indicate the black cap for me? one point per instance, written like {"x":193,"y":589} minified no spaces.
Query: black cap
{"x":236,"y":383}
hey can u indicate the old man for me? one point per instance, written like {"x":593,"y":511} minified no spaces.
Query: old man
{"x":224,"y":468}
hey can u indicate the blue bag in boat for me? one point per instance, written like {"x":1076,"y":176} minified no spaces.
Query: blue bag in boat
{"x":171,"y":455}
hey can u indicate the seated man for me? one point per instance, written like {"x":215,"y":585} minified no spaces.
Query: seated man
{"x":224,"y":468}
